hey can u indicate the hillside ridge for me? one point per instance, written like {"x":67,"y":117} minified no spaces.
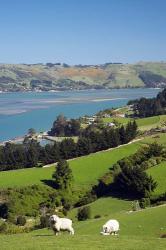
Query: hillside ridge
{"x":61,"y":76}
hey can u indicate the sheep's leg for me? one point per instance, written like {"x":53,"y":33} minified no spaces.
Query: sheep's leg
{"x":71,"y":231}
{"x":55,"y":231}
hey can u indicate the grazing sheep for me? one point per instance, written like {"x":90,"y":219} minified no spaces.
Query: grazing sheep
{"x":61,"y":224}
{"x":110,"y":227}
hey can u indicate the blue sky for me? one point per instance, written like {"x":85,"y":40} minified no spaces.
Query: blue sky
{"x":82,"y":31}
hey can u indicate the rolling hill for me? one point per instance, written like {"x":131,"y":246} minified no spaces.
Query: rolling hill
{"x":57,"y":76}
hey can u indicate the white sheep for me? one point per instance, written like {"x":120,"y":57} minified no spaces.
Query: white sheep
{"x":110,"y":227}
{"x":61,"y":224}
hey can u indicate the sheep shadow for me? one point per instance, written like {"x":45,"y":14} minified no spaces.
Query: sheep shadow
{"x":45,"y":235}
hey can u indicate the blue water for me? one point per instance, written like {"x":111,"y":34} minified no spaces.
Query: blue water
{"x":21,"y":111}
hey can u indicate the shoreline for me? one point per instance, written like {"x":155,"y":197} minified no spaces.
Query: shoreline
{"x":72,"y":90}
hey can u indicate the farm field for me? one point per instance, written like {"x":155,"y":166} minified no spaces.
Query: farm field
{"x":86,"y":169}
{"x":138,"y":231}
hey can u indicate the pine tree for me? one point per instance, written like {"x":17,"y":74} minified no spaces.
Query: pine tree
{"x":63,"y":176}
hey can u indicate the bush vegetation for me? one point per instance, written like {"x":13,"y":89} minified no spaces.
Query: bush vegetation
{"x":128,"y":176}
{"x":84,"y":213}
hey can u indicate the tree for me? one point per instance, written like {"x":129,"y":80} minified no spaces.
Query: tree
{"x":59,"y":125}
{"x":134,"y":181}
{"x":63,"y":176}
{"x":149,"y":107}
{"x":122,"y":134}
{"x":84,"y":146}
{"x":68,"y":149}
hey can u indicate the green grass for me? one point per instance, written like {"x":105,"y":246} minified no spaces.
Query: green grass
{"x":148,"y":123}
{"x":24,"y":177}
{"x":159,"y":138}
{"x":86,"y":169}
{"x":121,"y":120}
{"x":89,"y":168}
{"x":143,"y":123}
{"x":159,"y":173}
{"x":105,"y":206}
{"x":138,"y":231}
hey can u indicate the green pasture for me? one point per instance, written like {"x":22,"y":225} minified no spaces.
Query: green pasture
{"x":138,"y":231}
{"x":159,"y":138}
{"x":143,"y":123}
{"x":159,"y":174}
{"x":106,"y":206}
{"x":86,"y":169}
{"x":148,"y":123}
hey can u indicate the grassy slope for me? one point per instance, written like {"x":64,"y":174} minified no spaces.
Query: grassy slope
{"x":105,"y":206}
{"x":159,"y":138}
{"x":86,"y":169}
{"x":159,"y":173}
{"x":121,"y":75}
{"x":143,"y":123}
{"x":138,"y":231}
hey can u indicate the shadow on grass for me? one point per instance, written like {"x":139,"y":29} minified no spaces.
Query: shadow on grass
{"x":111,"y":190}
{"x":49,"y":183}
{"x":45,"y":235}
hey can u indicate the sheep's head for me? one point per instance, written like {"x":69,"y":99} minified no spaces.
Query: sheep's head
{"x":105,"y":229}
{"x":53,"y":219}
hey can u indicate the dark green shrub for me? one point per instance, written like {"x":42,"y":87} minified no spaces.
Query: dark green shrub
{"x":87,"y":198}
{"x":3,"y":228}
{"x":44,"y":221}
{"x":97,"y":216}
{"x":159,"y":160}
{"x":8,"y":228}
{"x":84,"y":213}
{"x":64,"y":211}
{"x":21,"y":220}
{"x":163,"y":236}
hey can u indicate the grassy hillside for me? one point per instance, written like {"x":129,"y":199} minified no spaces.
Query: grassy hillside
{"x":105,"y":206}
{"x":138,"y":231}
{"x":86,"y":169}
{"x":159,"y":173}
{"x":61,"y":76}
{"x":143,"y":123}
{"x":159,"y":138}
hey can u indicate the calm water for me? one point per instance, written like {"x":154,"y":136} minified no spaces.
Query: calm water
{"x":21,"y":111}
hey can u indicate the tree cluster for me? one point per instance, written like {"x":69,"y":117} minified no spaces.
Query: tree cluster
{"x":128,"y":177}
{"x":15,"y":156}
{"x":150,"y":107}
{"x":129,"y":173}
{"x":64,"y":127}
{"x":31,"y":153}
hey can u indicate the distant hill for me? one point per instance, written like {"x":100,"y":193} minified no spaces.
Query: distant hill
{"x":57,"y":76}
